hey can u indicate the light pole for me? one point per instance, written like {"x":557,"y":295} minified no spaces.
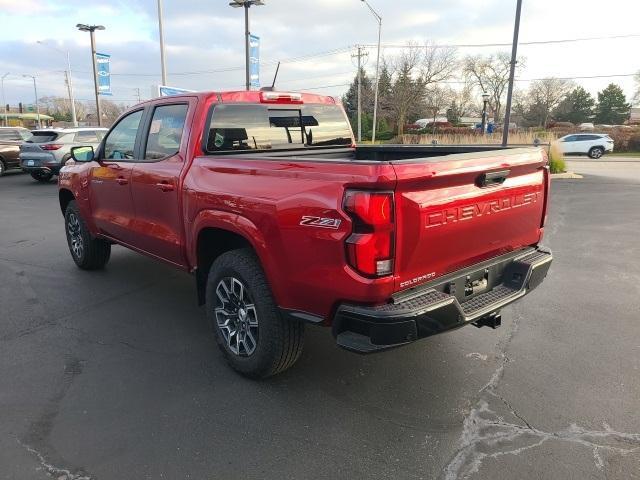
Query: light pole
{"x":485,"y":101}
{"x":91,"y":29}
{"x":246,"y":4}
{"x":67,"y":74}
{"x":4,"y":102}
{"x":375,"y":99}
{"x":35,"y":91}
{"x":163,"y":66}
{"x":512,"y":74}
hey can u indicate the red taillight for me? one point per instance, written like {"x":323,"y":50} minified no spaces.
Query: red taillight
{"x":370,"y":246}
{"x":51,"y":146}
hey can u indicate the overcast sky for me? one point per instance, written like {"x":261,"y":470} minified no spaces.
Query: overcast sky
{"x":207,"y":36}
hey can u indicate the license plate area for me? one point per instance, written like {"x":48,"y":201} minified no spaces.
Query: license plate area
{"x":474,"y":283}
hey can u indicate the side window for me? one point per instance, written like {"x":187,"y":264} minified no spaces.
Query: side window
{"x":165,"y":132}
{"x":86,"y":136}
{"x":570,"y":138}
{"x":121,"y":141}
{"x":239,"y":127}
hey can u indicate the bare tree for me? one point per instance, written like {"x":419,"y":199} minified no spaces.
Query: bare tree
{"x":438,"y":98}
{"x":111,"y":111}
{"x":462,"y":103}
{"x":636,"y":96}
{"x":491,"y":75}
{"x":58,"y":107}
{"x":545,"y":95}
{"x":415,"y":69}
{"x":438,"y":63}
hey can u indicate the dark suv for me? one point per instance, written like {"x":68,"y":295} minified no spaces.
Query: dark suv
{"x":10,"y":140}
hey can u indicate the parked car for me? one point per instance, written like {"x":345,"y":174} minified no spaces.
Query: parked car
{"x":44,"y":154}
{"x":586,"y":127}
{"x":593,"y":144}
{"x":10,"y":140}
{"x":284,"y":221}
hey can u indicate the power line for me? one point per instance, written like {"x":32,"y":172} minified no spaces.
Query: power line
{"x":484,"y":45}
{"x":347,"y":49}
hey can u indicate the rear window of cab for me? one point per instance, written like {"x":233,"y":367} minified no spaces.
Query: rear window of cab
{"x":241,"y":127}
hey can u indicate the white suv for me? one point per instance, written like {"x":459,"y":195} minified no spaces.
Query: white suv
{"x":593,"y":144}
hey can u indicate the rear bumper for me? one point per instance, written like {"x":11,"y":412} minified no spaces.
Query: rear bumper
{"x":472,"y":295}
{"x":33,"y":161}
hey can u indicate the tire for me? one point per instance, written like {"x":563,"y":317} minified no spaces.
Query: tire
{"x":253,"y":336}
{"x":3,"y":167}
{"x":89,"y":253}
{"x":42,"y":177}
{"x":596,"y":152}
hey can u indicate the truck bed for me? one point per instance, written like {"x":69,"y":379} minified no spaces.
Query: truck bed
{"x":380,"y":153}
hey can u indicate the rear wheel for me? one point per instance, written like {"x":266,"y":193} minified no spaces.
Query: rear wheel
{"x":255,"y":339}
{"x":596,"y":152}
{"x":43,"y":177}
{"x":3,"y":167}
{"x":89,"y":253}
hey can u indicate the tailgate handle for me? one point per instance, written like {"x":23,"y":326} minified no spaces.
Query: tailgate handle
{"x":492,"y":179}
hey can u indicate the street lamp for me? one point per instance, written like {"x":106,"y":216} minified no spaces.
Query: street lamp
{"x":91,"y":29}
{"x":246,"y":4}
{"x":4,"y":102}
{"x":375,"y":100}
{"x":67,"y":74}
{"x":35,"y":91}
{"x":485,"y":101}
{"x":163,"y":66}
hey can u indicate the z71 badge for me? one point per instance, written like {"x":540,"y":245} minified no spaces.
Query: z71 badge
{"x":320,"y":222}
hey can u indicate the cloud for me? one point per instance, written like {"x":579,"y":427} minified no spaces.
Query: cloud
{"x":207,"y":36}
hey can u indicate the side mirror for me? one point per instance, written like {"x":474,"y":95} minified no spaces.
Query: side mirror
{"x":82,"y":154}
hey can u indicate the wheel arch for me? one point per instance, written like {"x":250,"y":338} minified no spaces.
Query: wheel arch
{"x":65,"y":197}
{"x":218,"y":232}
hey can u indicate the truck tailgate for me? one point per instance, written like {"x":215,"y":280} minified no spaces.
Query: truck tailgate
{"x":458,"y":210}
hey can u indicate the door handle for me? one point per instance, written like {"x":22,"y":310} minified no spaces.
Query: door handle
{"x":165,"y":186}
{"x":122,"y":181}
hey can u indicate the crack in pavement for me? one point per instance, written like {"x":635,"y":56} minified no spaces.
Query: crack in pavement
{"x":56,"y":472}
{"x":486,"y":434}
{"x":37,"y":441}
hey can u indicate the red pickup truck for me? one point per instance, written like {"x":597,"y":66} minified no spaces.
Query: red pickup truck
{"x":284,"y":221}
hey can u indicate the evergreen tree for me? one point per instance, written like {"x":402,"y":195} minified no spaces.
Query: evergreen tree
{"x":612,"y":108}
{"x":350,"y":100}
{"x":577,"y":107}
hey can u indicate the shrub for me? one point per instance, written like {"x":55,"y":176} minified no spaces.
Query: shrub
{"x":556,"y":161}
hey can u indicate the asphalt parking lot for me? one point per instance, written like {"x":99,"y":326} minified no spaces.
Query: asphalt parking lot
{"x":113,"y":375}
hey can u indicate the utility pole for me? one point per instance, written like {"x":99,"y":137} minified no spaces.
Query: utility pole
{"x":512,"y":74}
{"x":68,"y":82}
{"x":137,"y":90}
{"x":91,"y":29}
{"x":4,"y":102}
{"x":35,"y":92}
{"x":375,"y":100}
{"x":163,"y":66}
{"x":359,"y":56}
{"x":72,"y":100}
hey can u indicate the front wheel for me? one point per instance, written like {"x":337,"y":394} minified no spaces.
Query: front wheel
{"x":41,"y":176}
{"x":255,"y":339}
{"x":3,"y":168}
{"x":596,"y":152}
{"x":89,"y":253}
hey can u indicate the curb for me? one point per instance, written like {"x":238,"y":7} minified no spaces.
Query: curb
{"x":565,"y":175}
